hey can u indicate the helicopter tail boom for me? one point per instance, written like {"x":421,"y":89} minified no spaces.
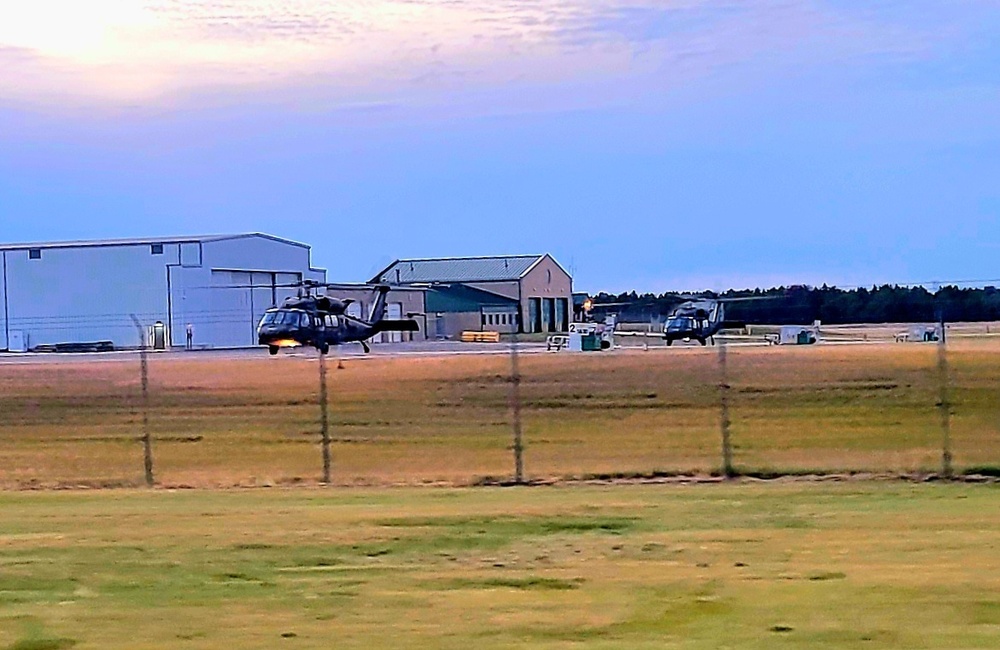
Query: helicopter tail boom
{"x":385,"y":325}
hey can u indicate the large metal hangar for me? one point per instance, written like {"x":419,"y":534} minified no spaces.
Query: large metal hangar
{"x":525,"y":293}
{"x":87,"y":291}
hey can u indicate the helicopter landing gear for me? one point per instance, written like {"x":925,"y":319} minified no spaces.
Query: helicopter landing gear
{"x":702,"y":341}
{"x":272,"y":350}
{"x":324,"y":348}
{"x":670,"y":342}
{"x":364,"y":346}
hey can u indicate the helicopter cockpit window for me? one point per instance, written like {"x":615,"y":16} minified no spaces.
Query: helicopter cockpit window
{"x":303,"y":320}
{"x":269,"y":318}
{"x":680,"y":323}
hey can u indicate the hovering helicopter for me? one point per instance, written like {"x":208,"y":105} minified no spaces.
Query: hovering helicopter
{"x":322,"y":321}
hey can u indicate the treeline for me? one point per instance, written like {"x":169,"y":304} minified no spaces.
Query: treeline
{"x":799,"y":305}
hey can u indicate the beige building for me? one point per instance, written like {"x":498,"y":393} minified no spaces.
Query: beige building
{"x":527,"y":293}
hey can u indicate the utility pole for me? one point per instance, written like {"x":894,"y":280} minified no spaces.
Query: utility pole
{"x":724,"y":422}
{"x":944,"y":404}
{"x":324,"y":418}
{"x":147,"y":443}
{"x":515,"y":408}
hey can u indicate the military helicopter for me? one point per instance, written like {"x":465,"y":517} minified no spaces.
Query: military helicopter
{"x":698,"y":318}
{"x":322,"y":321}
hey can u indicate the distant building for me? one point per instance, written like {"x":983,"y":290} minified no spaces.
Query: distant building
{"x":86,"y":291}
{"x":525,"y":293}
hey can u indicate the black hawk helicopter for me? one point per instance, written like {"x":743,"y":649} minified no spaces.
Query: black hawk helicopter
{"x":698,"y":318}
{"x":322,"y":321}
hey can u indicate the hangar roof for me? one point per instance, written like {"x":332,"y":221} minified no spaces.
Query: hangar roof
{"x":497,"y":268}
{"x":132,"y":241}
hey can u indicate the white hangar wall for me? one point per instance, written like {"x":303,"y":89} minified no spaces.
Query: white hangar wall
{"x":85,"y":291}
{"x":225,"y":294}
{"x":81,"y":294}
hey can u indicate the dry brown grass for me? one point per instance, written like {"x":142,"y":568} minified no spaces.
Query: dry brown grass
{"x":446,"y":419}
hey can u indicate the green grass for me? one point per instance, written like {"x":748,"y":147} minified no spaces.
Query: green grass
{"x":866,"y":565}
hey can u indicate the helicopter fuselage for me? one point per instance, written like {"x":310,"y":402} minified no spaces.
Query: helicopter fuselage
{"x":291,"y":327}
{"x":698,"y":321}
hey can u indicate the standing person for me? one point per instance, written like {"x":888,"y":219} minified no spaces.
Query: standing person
{"x":189,"y":330}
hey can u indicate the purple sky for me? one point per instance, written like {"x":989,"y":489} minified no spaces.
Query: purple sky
{"x":648,"y":145}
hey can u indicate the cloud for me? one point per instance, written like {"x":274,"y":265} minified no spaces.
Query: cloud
{"x":162,"y":51}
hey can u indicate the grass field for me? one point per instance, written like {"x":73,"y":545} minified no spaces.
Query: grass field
{"x":793,"y":565}
{"x":447,"y":419}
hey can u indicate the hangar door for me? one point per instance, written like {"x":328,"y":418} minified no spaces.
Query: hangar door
{"x":237,"y":303}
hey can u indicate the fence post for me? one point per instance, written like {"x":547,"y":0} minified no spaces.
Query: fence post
{"x":724,"y":422}
{"x":324,"y":418}
{"x":147,"y":443}
{"x":944,"y":404}
{"x":515,"y":409}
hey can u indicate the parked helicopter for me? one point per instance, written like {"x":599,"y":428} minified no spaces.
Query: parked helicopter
{"x":322,"y":321}
{"x":697,"y":319}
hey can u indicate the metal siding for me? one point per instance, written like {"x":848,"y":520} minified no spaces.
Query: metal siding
{"x":470,"y":269}
{"x":255,"y":253}
{"x":229,"y":321}
{"x":190,"y":254}
{"x":85,"y":294}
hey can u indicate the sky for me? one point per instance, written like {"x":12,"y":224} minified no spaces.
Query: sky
{"x":654,"y":145}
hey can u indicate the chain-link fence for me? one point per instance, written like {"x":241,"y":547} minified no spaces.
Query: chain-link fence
{"x":227,"y":420}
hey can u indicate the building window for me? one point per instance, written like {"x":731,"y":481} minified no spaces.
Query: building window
{"x":156,"y":249}
{"x":35,"y":253}
{"x":548,"y":276}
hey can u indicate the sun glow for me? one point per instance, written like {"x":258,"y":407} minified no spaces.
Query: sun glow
{"x":96,"y":31}
{"x":129,"y":49}
{"x":135,"y":49}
